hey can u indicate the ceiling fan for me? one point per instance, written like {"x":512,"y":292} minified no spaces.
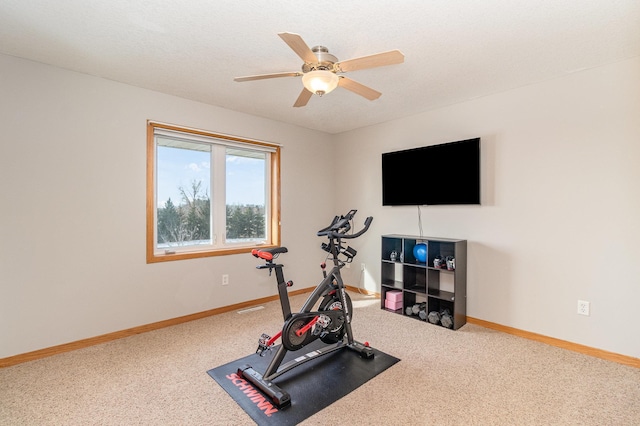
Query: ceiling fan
{"x":320,"y":70}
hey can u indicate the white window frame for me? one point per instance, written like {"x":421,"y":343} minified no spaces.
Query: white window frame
{"x":219,"y":143}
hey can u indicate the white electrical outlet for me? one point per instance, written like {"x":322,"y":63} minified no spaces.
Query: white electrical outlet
{"x":583,"y":307}
{"x":225,"y":279}
{"x":362,"y":267}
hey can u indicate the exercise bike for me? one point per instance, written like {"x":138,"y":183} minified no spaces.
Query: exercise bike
{"x":330,"y":322}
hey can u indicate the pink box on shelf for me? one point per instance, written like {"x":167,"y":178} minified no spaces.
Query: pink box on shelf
{"x":394,"y":296}
{"x":394,"y":306}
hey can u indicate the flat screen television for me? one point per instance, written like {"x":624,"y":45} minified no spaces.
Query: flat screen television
{"x":444,"y":174}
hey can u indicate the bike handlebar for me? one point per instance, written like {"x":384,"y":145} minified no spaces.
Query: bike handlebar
{"x":341,"y":225}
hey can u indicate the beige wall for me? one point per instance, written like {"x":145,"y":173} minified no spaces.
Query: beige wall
{"x":560,"y":213}
{"x":72,"y":222}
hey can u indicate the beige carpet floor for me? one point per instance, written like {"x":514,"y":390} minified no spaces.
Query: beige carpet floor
{"x":473,"y":376}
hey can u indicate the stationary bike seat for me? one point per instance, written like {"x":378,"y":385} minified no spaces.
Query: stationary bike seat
{"x":268,"y":253}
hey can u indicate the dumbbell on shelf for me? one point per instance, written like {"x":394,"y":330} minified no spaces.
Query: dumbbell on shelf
{"x":443,"y":318}
{"x":423,"y":313}
{"x":446,"y":320}
{"x":434,"y":317}
{"x":415,"y":309}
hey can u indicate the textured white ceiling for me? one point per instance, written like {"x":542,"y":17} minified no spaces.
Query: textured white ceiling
{"x":455,"y":50}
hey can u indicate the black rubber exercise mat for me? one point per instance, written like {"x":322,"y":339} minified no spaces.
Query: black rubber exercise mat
{"x":312,"y":386}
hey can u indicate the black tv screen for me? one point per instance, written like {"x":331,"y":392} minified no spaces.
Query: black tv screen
{"x":441,"y":174}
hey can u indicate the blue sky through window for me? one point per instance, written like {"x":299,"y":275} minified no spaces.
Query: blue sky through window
{"x":245,"y":180}
{"x":179,"y":167}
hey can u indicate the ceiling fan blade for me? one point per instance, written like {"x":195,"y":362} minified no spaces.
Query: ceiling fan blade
{"x":391,"y":57}
{"x":304,"y":97}
{"x":359,"y":89}
{"x":297,"y":44}
{"x":263,"y":76}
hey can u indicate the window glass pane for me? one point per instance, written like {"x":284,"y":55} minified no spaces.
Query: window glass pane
{"x":183,"y":176}
{"x":246,"y":195}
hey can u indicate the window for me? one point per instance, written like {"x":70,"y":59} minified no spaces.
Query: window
{"x":209,"y":194}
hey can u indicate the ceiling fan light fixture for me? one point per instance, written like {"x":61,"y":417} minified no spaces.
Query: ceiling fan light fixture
{"x":320,"y":82}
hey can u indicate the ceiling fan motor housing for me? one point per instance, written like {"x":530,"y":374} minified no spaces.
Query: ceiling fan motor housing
{"x":325,"y":62}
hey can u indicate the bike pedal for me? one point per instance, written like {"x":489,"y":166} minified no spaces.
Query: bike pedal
{"x":262,"y":344}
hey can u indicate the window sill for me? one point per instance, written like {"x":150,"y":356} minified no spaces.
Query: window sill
{"x":161,"y":257}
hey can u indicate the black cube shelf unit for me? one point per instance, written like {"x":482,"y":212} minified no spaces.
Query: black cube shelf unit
{"x":435,"y":289}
